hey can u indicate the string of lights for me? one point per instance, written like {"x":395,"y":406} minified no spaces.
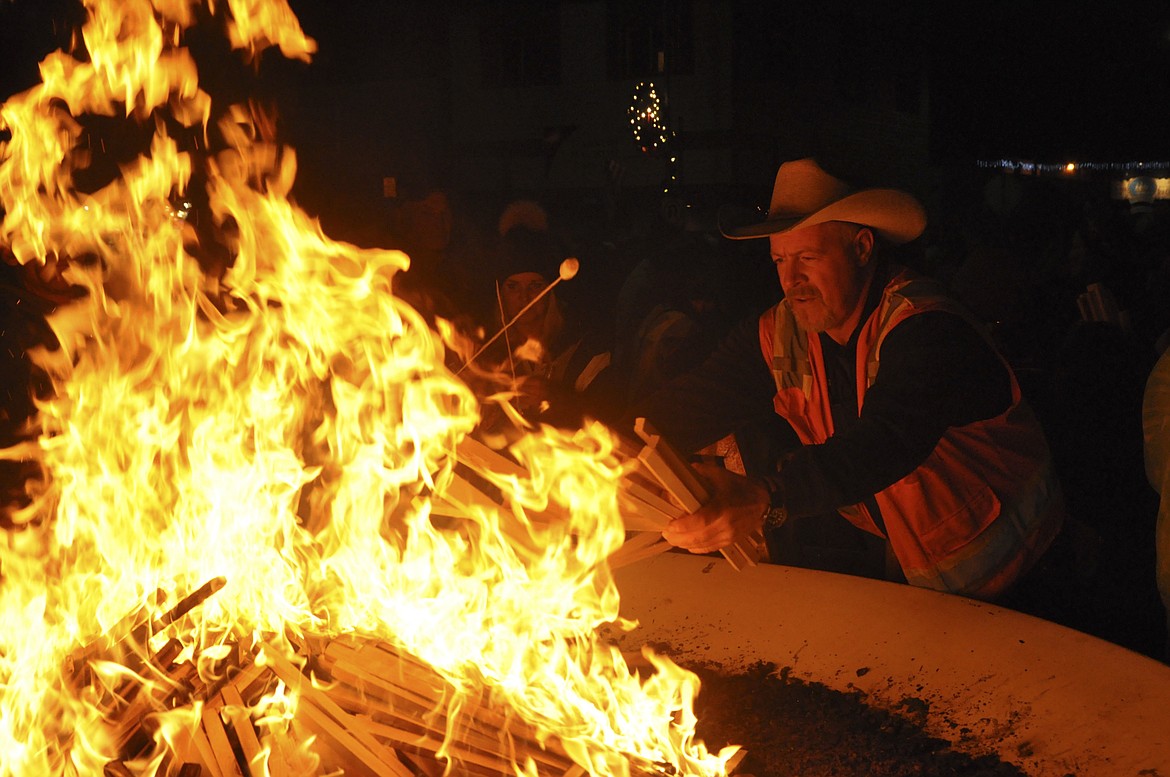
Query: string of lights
{"x":651,"y":134}
{"x":646,"y":120}
{"x":1040,"y":168}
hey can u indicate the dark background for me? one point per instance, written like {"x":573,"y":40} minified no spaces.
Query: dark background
{"x":1007,"y":78}
{"x":1050,"y":80}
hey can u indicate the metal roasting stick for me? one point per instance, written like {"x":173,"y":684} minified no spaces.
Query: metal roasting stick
{"x":507,"y":340}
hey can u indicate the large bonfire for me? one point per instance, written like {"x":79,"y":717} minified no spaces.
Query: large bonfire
{"x":240,"y":464}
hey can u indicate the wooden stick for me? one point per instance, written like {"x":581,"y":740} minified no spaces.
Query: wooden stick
{"x":188,"y":603}
{"x":499,"y":470}
{"x":735,"y":760}
{"x":641,"y":546}
{"x":221,"y":747}
{"x":131,"y":716}
{"x":77,"y":663}
{"x":205,"y":753}
{"x":676,"y":475}
{"x":643,"y":493}
{"x":405,"y":728}
{"x":645,"y":510}
{"x":460,"y":493}
{"x":157,"y":667}
{"x":492,"y":465}
{"x":464,"y":497}
{"x":241,"y":723}
{"x":434,"y":744}
{"x":396,"y":701}
{"x":683,"y":484}
{"x":243,"y":682}
{"x":636,"y":518}
{"x":423,"y":688}
{"x":356,"y":742}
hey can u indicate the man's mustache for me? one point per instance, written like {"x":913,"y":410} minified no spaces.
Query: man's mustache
{"x":802,"y":291}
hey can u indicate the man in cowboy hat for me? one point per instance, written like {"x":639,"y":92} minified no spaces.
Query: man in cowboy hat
{"x":910,"y":424}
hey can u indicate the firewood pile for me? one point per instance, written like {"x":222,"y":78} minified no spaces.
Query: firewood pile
{"x":367,"y":707}
{"x":370,"y":708}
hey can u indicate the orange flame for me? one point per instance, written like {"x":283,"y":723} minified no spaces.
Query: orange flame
{"x":285,"y":428}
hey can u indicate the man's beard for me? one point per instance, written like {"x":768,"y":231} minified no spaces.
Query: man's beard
{"x":813,"y":315}
{"x":815,"y":321}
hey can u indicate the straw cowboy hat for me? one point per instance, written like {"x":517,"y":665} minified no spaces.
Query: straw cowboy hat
{"x":805,"y":195}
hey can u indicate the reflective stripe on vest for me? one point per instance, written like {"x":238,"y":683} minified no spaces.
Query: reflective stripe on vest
{"x":987,"y":565}
{"x":790,"y":363}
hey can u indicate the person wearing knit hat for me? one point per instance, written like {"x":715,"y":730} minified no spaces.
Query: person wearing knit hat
{"x":900,"y":417}
{"x":529,"y":261}
{"x":551,"y":360}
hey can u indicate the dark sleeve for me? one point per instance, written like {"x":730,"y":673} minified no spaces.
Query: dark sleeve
{"x":937,"y":371}
{"x":731,"y":388}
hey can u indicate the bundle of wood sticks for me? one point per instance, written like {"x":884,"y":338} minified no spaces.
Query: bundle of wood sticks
{"x":658,"y":486}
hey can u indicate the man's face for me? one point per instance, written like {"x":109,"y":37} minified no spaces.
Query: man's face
{"x":824,"y":270}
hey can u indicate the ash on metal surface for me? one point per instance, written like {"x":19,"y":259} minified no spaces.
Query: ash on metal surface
{"x":791,"y":727}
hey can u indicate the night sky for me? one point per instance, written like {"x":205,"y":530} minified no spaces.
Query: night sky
{"x":1051,"y":80}
{"x":1016,"y":78}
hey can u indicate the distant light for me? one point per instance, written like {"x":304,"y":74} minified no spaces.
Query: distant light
{"x":1030,"y":167}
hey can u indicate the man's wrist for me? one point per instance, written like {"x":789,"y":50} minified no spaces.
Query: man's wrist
{"x":775,"y":491}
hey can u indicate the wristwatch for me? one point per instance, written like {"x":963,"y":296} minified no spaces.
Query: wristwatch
{"x":774,"y":517}
{"x":777,"y":513}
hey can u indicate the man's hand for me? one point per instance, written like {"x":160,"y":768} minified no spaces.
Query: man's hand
{"x":735,"y":510}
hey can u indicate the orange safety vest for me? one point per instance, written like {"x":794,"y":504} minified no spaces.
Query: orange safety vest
{"x":982,"y":507}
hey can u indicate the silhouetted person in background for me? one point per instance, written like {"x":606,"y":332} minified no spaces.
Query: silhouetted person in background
{"x":674,"y":315}
{"x":547,"y":356}
{"x":1156,"y":434}
{"x":441,"y":278}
